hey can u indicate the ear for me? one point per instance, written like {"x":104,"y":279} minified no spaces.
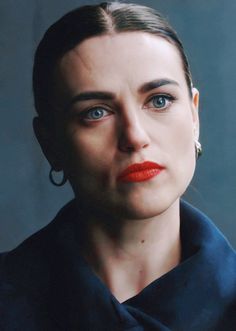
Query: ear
{"x":48,"y":142}
{"x":195,"y":112}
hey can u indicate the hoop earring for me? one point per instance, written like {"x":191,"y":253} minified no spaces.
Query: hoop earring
{"x":198,"y":149}
{"x":52,"y":180}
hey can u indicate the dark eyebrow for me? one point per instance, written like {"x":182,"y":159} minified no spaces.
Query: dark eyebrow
{"x":90,"y":95}
{"x":99,"y":95}
{"x":155,"y":84}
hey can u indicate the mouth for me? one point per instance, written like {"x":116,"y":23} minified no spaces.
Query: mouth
{"x":140,"y":172}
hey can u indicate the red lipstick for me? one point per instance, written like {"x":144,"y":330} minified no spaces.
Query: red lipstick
{"x":139,"y":172}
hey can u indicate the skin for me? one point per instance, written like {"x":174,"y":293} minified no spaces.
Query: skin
{"x":131,"y":229}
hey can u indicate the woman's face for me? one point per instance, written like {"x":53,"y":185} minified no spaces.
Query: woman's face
{"x":125,"y":101}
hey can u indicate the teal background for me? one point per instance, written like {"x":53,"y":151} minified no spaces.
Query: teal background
{"x":207,"y":28}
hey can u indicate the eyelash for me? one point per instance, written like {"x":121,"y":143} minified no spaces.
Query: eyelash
{"x":167,"y":97}
{"x":84,"y":114}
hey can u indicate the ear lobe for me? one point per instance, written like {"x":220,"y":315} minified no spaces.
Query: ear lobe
{"x":47,"y":143}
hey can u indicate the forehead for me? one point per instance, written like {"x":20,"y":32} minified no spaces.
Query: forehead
{"x":127,"y":59}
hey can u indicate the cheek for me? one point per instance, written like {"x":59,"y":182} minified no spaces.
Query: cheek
{"x":184,"y":138}
{"x":89,"y":160}
{"x":177,"y":145}
{"x":90,"y":150}
{"x":183,"y":149}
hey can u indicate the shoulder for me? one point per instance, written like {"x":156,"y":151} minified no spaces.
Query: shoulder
{"x":211,"y":262}
{"x":32,"y":260}
{"x":27,"y":274}
{"x":199,"y":234}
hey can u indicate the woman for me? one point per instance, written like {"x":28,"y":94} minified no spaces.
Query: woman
{"x":118,"y":116}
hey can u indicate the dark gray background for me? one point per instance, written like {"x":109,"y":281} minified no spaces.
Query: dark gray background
{"x":207,"y":28}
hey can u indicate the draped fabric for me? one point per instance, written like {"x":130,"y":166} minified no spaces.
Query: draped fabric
{"x":45,"y":284}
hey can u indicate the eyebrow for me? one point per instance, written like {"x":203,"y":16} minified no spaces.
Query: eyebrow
{"x":156,"y":83}
{"x":96,"y":95}
{"x":99,"y":95}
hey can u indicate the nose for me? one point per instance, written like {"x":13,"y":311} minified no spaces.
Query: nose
{"x":132,"y":135}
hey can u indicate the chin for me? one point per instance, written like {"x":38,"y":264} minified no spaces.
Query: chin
{"x":145,"y":208}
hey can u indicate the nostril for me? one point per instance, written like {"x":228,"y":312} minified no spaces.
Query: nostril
{"x":130,"y":149}
{"x":131,"y":145}
{"x":133,"y":135}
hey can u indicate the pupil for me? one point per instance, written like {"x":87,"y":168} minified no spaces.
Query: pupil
{"x":159,"y":102}
{"x":97,"y":113}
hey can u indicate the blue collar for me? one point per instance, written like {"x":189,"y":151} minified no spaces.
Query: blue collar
{"x":45,"y":284}
{"x":199,"y":294}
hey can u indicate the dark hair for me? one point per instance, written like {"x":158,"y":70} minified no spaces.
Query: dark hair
{"x":89,"y":21}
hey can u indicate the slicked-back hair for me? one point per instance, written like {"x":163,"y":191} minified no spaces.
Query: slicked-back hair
{"x":86,"y":22}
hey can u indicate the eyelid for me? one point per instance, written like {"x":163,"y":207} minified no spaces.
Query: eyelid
{"x":83,"y":108}
{"x":93,"y":109}
{"x":84,"y":113}
{"x":170,"y":98}
{"x":162,"y":94}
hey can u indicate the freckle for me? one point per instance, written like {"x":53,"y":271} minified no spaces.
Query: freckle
{"x":142,"y":241}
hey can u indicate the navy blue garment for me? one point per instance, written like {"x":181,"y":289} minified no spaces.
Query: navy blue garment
{"x":45,"y":284}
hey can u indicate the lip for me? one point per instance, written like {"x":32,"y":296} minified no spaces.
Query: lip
{"x":140,"y":172}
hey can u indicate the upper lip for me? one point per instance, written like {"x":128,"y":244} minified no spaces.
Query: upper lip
{"x":136,"y":167}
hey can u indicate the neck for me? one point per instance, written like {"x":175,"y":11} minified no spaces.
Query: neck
{"x":129,"y":256}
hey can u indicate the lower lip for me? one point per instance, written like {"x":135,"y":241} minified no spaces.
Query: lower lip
{"x":140,"y":176}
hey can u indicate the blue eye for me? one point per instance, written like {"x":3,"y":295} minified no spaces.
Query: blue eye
{"x":160,"y":101}
{"x":96,"y":114}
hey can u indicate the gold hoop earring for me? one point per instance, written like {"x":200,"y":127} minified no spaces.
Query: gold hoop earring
{"x":52,"y":180}
{"x":198,"y":149}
